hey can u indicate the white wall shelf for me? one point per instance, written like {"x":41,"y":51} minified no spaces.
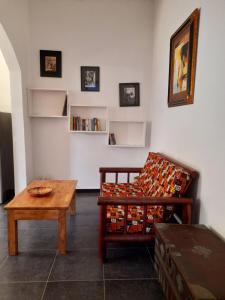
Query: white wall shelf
{"x":126,"y":146}
{"x":127,"y":134}
{"x":46,"y":103}
{"x":89,"y":131}
{"x":88,"y":119}
{"x":46,"y":116}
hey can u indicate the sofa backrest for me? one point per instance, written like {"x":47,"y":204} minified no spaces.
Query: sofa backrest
{"x":161,"y":176}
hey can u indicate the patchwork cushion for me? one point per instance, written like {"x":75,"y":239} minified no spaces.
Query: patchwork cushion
{"x":115,"y":218}
{"x":161,"y":177}
{"x":158,"y":178}
{"x":135,"y":218}
{"x":121,"y":190}
{"x":115,"y":213}
{"x":135,"y":215}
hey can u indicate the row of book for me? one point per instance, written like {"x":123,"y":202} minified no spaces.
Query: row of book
{"x":79,"y":124}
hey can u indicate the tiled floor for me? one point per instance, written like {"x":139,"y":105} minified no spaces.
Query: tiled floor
{"x":38,"y":272}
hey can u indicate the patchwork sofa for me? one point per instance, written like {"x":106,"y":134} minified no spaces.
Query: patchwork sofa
{"x":128,"y":210}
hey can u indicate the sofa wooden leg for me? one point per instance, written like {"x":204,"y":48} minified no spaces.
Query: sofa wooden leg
{"x":102,"y":250}
{"x":102,"y":244}
{"x":187,"y":214}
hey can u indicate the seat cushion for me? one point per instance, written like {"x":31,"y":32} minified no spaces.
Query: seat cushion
{"x":121,"y":190}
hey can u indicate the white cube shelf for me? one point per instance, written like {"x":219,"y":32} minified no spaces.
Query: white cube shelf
{"x":47,"y":103}
{"x":128,"y":133}
{"x":86,"y":112}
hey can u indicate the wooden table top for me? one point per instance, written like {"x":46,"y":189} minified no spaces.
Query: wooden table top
{"x":60,"y":197}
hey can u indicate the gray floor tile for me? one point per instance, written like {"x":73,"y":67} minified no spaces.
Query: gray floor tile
{"x":84,"y":220}
{"x":3,"y":221}
{"x":3,"y":238}
{"x":3,"y":255}
{"x":2,"y":210}
{"x":47,"y":238}
{"x":36,"y":239}
{"x":81,"y":264}
{"x":83,"y":237}
{"x":128,"y":263}
{"x":44,"y":224}
{"x":151,"y":251}
{"x":87,"y":205}
{"x":74,"y":290}
{"x":78,"y":274}
{"x":133,"y":290}
{"x":3,"y":245}
{"x":21,"y":291}
{"x":27,"y":266}
{"x":52,"y":224}
{"x":122,"y":245}
{"x":87,"y":195}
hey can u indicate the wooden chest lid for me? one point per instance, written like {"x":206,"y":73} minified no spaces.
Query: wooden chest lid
{"x":199,"y":257}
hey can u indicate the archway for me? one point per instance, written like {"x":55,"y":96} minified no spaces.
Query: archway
{"x":19,"y":153}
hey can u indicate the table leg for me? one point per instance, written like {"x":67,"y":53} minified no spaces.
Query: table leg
{"x":73,"y":205}
{"x":62,"y":232}
{"x":12,"y":234}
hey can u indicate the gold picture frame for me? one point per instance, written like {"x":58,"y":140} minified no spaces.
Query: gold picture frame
{"x":183,"y":56}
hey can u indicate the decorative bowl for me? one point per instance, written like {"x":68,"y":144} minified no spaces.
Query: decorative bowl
{"x":39,"y":191}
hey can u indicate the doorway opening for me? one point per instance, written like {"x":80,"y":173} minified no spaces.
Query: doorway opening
{"x":7,"y":187}
{"x":15,"y":160}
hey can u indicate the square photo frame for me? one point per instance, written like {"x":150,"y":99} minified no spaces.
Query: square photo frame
{"x":129,"y":94}
{"x":90,"y":79}
{"x":50,"y":63}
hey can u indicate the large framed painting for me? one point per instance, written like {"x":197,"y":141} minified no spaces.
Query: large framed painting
{"x":183,"y":55}
{"x":50,"y":63}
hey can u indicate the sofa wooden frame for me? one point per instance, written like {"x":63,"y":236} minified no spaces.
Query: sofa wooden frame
{"x":184,"y":202}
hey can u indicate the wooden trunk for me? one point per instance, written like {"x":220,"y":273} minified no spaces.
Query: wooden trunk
{"x":190,"y":262}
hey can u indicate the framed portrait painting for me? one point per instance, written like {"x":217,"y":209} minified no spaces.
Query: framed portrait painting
{"x":129,"y":94}
{"x":183,"y":55}
{"x":90,"y":79}
{"x":50,"y":63}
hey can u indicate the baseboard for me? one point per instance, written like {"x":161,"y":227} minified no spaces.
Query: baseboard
{"x":88,"y":190}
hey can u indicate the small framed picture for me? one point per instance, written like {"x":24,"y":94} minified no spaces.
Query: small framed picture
{"x":90,"y":79}
{"x":129,"y":94}
{"x":50,"y":63}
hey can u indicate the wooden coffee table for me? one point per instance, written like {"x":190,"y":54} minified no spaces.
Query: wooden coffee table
{"x":52,"y":207}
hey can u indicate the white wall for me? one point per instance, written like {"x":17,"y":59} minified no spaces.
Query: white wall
{"x":115,"y":35}
{"x":193,"y":134}
{"x":5,"y":98}
{"x":14,"y":34}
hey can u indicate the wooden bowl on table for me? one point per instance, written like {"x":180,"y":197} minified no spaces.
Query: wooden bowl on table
{"x":39,"y":191}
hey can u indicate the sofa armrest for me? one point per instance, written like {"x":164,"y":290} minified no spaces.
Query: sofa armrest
{"x":143,"y":200}
{"x":127,"y":170}
{"x":119,"y":170}
{"x":186,"y":203}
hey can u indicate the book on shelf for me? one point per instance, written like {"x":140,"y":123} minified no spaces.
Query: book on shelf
{"x":112,"y":139}
{"x":64,"y":112}
{"x":80,"y":124}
